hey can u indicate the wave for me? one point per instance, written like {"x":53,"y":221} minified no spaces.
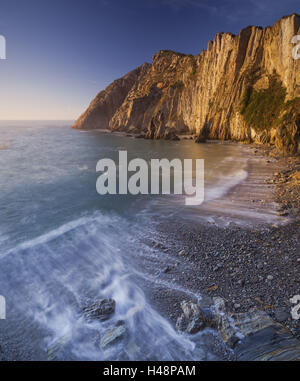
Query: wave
{"x":224,"y":184}
{"x":49,"y":279}
{"x":53,"y":234}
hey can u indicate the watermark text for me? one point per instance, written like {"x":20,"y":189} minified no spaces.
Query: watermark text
{"x":296,"y":48}
{"x":295,"y":311}
{"x":2,"y":308}
{"x":187,"y":179}
{"x":2,"y":48}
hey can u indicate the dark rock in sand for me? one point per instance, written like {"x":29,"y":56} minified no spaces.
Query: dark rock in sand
{"x":253,"y":335}
{"x":194,"y":318}
{"x":281,"y":315}
{"x":101,"y":310}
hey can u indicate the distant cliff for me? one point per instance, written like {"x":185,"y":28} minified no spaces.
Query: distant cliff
{"x":244,"y":88}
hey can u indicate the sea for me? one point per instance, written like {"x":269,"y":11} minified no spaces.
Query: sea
{"x":63,"y":246}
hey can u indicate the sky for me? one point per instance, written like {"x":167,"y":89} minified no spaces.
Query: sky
{"x":61,"y":53}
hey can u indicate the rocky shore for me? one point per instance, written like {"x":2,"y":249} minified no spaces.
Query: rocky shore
{"x":254,"y":270}
{"x":253,"y":335}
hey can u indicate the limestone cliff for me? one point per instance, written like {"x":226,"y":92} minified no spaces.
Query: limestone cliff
{"x":244,"y":87}
{"x":107,"y":102}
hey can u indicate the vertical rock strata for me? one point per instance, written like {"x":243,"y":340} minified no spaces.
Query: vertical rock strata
{"x":244,"y":88}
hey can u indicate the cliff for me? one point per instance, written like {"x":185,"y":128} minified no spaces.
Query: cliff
{"x":244,"y":88}
{"x":104,"y":105}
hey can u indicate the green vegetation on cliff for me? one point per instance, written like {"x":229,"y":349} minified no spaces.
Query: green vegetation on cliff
{"x":292,"y":107}
{"x":261,"y":109}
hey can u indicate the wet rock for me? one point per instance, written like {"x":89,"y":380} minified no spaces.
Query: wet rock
{"x":57,"y":346}
{"x":205,"y":302}
{"x":272,"y":343}
{"x":225,"y":325}
{"x":182,"y":323}
{"x":101,"y":310}
{"x":281,"y":315}
{"x":170,"y":135}
{"x":254,"y":336}
{"x":194,"y":318}
{"x":113,"y":335}
{"x":200,"y":139}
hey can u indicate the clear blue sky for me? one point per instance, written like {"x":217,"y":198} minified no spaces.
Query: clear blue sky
{"x":60,"y":53}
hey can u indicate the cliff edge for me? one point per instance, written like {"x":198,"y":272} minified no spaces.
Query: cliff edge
{"x":244,"y":88}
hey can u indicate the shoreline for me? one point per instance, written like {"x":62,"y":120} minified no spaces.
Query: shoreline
{"x":187,"y":258}
{"x":252,"y":267}
{"x":226,"y":256}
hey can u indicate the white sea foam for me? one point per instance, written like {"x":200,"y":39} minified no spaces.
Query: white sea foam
{"x":51,"y":235}
{"x":86,"y":260}
{"x":223,"y":185}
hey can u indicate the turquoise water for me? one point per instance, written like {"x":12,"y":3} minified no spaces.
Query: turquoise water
{"x":62,"y":244}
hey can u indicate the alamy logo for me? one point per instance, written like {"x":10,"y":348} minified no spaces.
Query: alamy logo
{"x":144,"y":182}
{"x":2,"y":308}
{"x":295,"y":311}
{"x":296,"y":49}
{"x":2,"y":48}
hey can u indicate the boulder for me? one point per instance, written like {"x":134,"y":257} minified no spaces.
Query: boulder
{"x":113,"y":335}
{"x":253,"y":335}
{"x":101,"y":310}
{"x":194,"y":318}
{"x":170,"y":134}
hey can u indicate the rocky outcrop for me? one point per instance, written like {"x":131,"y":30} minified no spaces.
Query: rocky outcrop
{"x":107,"y":102}
{"x":194,"y":318}
{"x":101,"y":310}
{"x":253,"y":336}
{"x":244,"y":88}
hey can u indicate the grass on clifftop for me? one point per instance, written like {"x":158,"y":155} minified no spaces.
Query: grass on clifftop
{"x":261,"y":109}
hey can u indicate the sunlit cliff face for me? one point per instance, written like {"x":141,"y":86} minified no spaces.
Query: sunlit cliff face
{"x":203,"y":94}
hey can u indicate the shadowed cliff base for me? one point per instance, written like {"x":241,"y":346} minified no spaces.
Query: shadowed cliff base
{"x":243,"y":88}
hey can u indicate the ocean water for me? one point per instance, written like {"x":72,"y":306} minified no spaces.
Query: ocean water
{"x":62,"y":245}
